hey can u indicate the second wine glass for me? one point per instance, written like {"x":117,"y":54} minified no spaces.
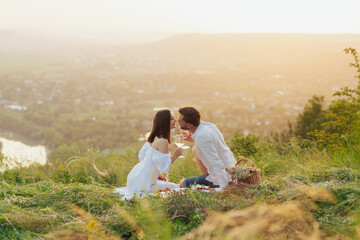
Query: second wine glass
{"x":179,"y":142}
{"x":184,"y":134}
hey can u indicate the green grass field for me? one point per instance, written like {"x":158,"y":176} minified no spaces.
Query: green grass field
{"x":305,"y":193}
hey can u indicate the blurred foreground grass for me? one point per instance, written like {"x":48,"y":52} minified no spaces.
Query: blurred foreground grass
{"x":305,"y":194}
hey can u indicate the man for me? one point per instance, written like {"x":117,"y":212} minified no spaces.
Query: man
{"x":211,"y":152}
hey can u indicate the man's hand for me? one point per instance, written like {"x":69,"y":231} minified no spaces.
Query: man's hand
{"x":187,"y":136}
{"x":161,"y":177}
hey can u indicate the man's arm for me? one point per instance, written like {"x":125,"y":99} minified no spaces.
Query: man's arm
{"x":208,"y":149}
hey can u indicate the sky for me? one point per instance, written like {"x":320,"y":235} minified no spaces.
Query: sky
{"x":97,"y":17}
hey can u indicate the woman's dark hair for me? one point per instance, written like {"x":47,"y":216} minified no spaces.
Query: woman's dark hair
{"x":191,"y":115}
{"x":161,"y":125}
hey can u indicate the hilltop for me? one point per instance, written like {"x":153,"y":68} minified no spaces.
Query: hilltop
{"x":310,"y":176}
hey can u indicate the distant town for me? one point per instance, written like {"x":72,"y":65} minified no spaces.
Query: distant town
{"x":237,"y":89}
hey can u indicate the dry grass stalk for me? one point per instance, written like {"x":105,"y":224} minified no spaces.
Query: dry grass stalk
{"x":84,"y":164}
{"x":92,"y":229}
{"x":27,"y":219}
{"x":300,"y":191}
{"x":131,"y":220}
{"x":266,"y":221}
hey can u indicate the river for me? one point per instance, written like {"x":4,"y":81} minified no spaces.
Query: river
{"x":17,"y":153}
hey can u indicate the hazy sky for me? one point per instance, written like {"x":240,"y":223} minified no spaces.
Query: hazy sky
{"x":182,"y":16}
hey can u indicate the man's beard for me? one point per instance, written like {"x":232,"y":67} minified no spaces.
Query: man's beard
{"x":184,"y":128}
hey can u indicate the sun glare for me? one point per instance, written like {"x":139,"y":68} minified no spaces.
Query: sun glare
{"x":203,"y":16}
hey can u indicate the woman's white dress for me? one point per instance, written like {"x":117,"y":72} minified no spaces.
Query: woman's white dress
{"x":143,"y":177}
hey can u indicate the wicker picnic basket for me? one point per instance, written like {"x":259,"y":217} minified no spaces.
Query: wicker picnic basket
{"x":253,"y":179}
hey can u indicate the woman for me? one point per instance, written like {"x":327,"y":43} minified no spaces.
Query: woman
{"x":154,"y":158}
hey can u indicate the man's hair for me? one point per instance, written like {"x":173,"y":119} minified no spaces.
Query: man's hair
{"x":191,"y":115}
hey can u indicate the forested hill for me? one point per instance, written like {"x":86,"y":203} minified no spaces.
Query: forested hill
{"x":227,"y":50}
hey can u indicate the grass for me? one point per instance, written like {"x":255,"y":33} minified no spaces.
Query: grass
{"x":71,"y":198}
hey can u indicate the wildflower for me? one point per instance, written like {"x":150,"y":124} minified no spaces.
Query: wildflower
{"x":239,"y":172}
{"x":91,"y":226}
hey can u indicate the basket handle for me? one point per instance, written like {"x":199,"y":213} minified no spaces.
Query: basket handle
{"x":245,"y":160}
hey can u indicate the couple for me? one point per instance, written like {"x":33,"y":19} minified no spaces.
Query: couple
{"x":211,"y":153}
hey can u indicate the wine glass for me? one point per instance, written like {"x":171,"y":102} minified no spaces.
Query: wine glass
{"x":184,"y":134}
{"x":179,"y":142}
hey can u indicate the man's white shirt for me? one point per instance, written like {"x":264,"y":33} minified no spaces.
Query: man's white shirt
{"x":213,"y":152}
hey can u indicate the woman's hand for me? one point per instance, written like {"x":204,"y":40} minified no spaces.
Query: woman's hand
{"x":161,"y":177}
{"x":177,"y":153}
